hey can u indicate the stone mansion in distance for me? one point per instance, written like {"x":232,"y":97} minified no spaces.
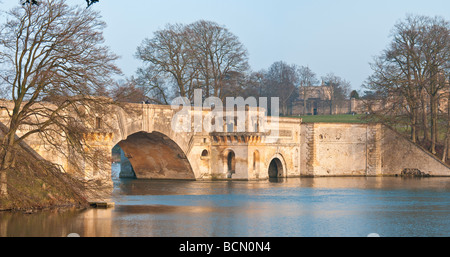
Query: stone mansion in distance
{"x":319,"y":102}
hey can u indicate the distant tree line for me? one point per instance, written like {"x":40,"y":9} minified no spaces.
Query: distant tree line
{"x":205,"y":55}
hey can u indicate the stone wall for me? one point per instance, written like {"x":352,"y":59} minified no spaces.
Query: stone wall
{"x":333,"y":149}
{"x":345,"y":106}
{"x":338,"y":149}
{"x":399,"y":153}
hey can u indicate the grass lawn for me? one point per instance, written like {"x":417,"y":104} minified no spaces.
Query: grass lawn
{"x":340,"y":118}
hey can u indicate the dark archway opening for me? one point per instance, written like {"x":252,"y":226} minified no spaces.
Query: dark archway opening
{"x":275,"y":168}
{"x":231,"y":164}
{"x":153,"y":156}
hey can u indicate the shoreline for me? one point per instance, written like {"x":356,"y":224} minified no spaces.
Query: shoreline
{"x":32,"y":210}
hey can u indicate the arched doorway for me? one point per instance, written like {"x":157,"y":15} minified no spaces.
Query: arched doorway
{"x":231,"y":164}
{"x":155,"y":156}
{"x":275,"y":168}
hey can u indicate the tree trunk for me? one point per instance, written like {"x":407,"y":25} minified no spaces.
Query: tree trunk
{"x":414,"y":125}
{"x":303,"y":88}
{"x":3,"y":184}
{"x":426,"y":136}
{"x":433,"y":123}
{"x":445,"y":153}
{"x":331,"y":107}
{"x":417,"y":123}
{"x":6,"y":160}
{"x":447,"y":135}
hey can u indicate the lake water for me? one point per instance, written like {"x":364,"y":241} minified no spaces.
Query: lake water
{"x":297,"y":207}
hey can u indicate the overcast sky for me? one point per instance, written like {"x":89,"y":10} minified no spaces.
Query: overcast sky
{"x":339,"y":36}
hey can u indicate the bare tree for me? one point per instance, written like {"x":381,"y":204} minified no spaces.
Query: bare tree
{"x":307,"y":78}
{"x":155,"y":86}
{"x":51,"y":52}
{"x":411,"y":70}
{"x":234,"y":85}
{"x":168,"y":54}
{"x":281,"y":81}
{"x":199,"y":55}
{"x":128,"y":91}
{"x":446,"y":153}
{"x":399,"y":73}
{"x":248,"y":84}
{"x":435,"y":42}
{"x":218,"y":54}
{"x":336,"y":88}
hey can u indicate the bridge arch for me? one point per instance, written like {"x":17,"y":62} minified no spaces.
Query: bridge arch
{"x":156,"y":156}
{"x":276,"y":167}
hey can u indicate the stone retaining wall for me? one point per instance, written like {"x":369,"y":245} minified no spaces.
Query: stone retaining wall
{"x":341,"y":149}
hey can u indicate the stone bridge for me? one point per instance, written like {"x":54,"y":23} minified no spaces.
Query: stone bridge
{"x":154,"y":150}
{"x":268,"y":147}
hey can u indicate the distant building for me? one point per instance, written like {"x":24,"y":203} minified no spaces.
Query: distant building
{"x":312,"y":100}
{"x":318,"y":102}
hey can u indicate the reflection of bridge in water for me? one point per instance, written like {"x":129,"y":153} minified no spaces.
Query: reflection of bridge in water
{"x":189,"y":208}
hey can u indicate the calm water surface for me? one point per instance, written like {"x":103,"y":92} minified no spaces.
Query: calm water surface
{"x":309,"y":207}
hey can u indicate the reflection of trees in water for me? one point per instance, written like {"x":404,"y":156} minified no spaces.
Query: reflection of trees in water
{"x":51,"y":223}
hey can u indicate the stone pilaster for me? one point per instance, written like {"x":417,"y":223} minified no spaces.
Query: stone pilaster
{"x":374,"y":150}
{"x":310,"y":149}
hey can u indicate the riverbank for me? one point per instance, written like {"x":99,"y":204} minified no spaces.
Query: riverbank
{"x":39,"y":194}
{"x":35,"y":184}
